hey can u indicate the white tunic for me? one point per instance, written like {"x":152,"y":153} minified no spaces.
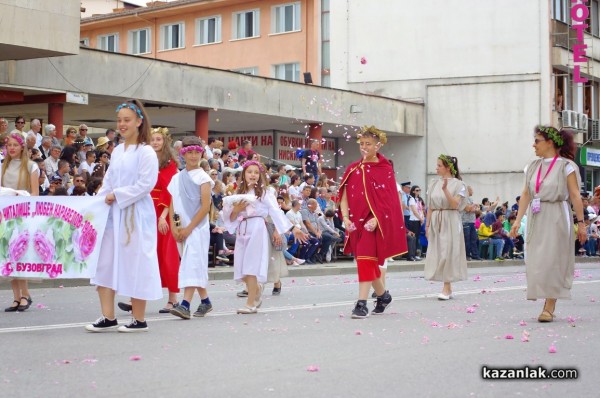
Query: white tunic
{"x":251,"y":254}
{"x":128,"y":262}
{"x":193,"y":269}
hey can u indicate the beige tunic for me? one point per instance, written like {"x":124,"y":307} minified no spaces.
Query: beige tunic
{"x":550,"y":240}
{"x":446,"y":259}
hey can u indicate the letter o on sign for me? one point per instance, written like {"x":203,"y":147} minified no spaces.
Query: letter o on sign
{"x":578,"y":9}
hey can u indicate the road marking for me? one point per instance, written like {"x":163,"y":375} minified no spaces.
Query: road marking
{"x":282,"y":309}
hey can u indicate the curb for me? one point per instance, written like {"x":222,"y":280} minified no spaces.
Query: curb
{"x":337,"y":268}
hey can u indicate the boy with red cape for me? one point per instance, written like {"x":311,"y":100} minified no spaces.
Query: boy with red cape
{"x":371,"y":211}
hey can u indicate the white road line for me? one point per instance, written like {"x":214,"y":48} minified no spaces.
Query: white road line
{"x":284,"y":308}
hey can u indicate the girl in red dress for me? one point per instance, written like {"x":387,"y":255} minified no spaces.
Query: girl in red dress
{"x":168,"y":255}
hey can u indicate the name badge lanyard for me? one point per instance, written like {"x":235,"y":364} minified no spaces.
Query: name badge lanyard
{"x":538,"y":183}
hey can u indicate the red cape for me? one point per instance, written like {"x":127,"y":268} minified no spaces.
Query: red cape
{"x":371,"y":191}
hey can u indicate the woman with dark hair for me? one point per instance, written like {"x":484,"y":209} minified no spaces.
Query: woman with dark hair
{"x":93,"y":186}
{"x":446,"y":259}
{"x":69,"y":153}
{"x":415,"y":220}
{"x":551,"y":188}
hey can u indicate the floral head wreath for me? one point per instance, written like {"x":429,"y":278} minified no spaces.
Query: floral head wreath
{"x":374,"y":132}
{"x":189,"y":148}
{"x":162,"y":131}
{"x":16,"y":137}
{"x":553,"y":134}
{"x":254,"y":163}
{"x":449,"y":161}
{"x":131,"y":106}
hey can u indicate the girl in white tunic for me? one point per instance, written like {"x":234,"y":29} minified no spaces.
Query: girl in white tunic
{"x":19,"y":173}
{"x":251,"y":255}
{"x":191,"y":193}
{"x":128,"y":265}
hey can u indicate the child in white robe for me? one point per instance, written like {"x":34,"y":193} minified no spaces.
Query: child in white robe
{"x":128,"y":265}
{"x":251,"y":255}
{"x":191,"y":192}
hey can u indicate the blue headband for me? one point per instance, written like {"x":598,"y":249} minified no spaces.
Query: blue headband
{"x":131,"y":106}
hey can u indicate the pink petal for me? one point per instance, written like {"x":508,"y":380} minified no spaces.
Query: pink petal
{"x":41,"y":306}
{"x":135,"y":358}
{"x":470,"y":310}
{"x":522,"y":323}
{"x":552,"y":349}
{"x":358,"y":332}
{"x":477,"y":278}
{"x":312,"y":368}
{"x":434,"y":324}
{"x":509,"y":337}
{"x":425,"y":340}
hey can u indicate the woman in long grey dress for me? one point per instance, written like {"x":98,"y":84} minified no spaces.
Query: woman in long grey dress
{"x":446,"y":259}
{"x":551,"y":182}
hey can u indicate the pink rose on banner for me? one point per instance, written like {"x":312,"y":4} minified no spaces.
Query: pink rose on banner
{"x":7,"y":270}
{"x":44,"y":245}
{"x":52,"y":274}
{"x":84,"y":243}
{"x":17,"y":246}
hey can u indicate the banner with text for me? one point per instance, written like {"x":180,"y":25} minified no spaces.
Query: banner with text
{"x":51,"y":237}
{"x":282,"y":147}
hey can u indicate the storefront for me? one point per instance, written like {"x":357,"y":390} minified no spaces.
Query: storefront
{"x":589,"y":160}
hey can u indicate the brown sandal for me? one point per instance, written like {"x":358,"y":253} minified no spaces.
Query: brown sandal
{"x":546,"y":316}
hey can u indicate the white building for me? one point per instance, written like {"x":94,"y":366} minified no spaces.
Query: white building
{"x":487,"y":72}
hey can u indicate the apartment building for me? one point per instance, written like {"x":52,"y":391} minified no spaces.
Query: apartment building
{"x":270,"y":38}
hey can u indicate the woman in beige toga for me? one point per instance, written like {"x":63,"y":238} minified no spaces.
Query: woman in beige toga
{"x":446,"y":259}
{"x":551,"y":182}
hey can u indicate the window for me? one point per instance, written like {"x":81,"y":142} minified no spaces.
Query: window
{"x":172,"y":36}
{"x":248,"y":71}
{"x":594,"y":16}
{"x":286,"y":18}
{"x":325,"y":45}
{"x":246,"y":24}
{"x":290,"y":72}
{"x":560,"y":10}
{"x":85,"y":41}
{"x":109,"y":42}
{"x":139,"y":41}
{"x":208,"y":30}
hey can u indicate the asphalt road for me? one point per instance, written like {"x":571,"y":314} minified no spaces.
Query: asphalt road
{"x":304,"y":343}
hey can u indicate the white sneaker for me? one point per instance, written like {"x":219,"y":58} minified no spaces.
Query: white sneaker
{"x":247,"y":310}
{"x":443,"y":296}
{"x":299,"y":261}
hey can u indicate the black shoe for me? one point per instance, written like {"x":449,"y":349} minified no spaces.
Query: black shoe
{"x":134,"y":327}
{"x":276,"y":291}
{"x":11,"y":308}
{"x":360,"y":311}
{"x":476,"y":258}
{"x":243,"y":293}
{"x":309,"y":262}
{"x":22,"y":307}
{"x":102,"y":325}
{"x":411,"y":259}
{"x":124,"y":306}
{"x":318,"y":258}
{"x":374,"y":295}
{"x":382,"y":301}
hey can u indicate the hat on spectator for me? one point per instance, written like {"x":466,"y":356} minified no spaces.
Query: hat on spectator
{"x":102,"y":141}
{"x":55,"y":178}
{"x":79,"y":141}
{"x":289,"y":167}
{"x":232,"y":145}
{"x":406,"y":183}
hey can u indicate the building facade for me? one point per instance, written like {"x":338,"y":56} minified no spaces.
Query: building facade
{"x":270,"y":38}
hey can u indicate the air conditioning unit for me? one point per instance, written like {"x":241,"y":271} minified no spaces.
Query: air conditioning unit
{"x":594,"y":130}
{"x":582,"y":121}
{"x":569,"y":119}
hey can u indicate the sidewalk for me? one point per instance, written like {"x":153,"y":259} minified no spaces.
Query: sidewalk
{"x":337,"y":268}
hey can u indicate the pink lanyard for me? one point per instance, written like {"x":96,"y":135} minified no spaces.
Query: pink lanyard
{"x":538,"y":183}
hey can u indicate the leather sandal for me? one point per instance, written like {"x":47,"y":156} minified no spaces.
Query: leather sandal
{"x":13,"y":308}
{"x":546,"y":316}
{"x":166,"y":310}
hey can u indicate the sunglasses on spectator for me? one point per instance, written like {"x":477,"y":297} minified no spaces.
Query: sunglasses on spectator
{"x":417,"y":190}
{"x":82,"y":129}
